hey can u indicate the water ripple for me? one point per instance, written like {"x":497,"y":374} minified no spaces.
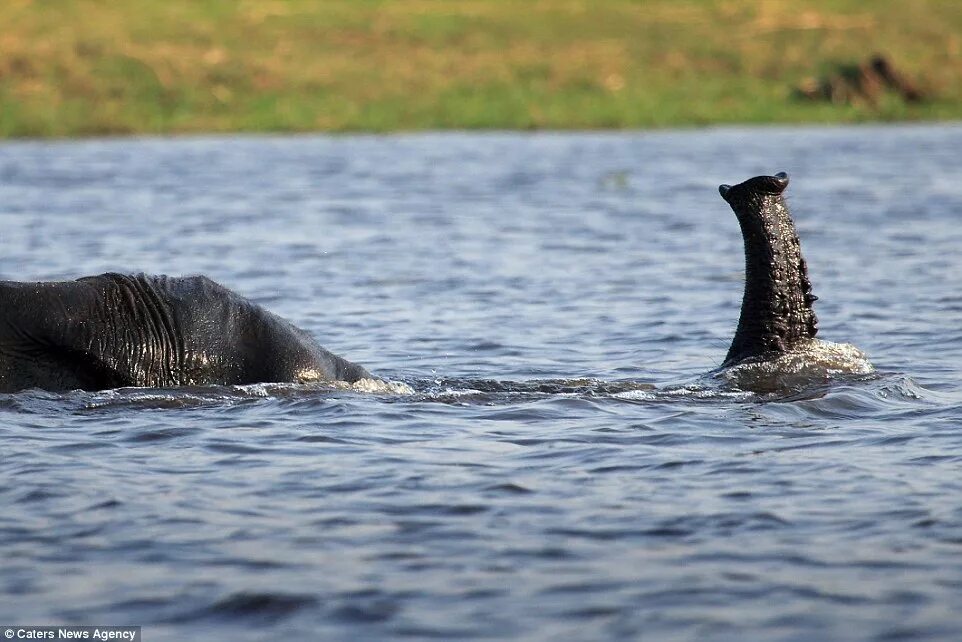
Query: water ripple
{"x":554,"y":455}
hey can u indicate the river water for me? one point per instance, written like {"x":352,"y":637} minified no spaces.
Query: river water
{"x":563,"y":468}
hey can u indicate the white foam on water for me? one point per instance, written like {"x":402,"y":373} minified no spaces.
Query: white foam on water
{"x":379,"y":386}
{"x":635,"y":395}
{"x":811,"y":362}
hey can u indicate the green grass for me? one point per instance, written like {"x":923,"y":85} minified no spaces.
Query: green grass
{"x":93,"y":67}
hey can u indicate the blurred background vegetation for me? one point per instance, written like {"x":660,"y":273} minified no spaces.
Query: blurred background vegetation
{"x":93,"y":67}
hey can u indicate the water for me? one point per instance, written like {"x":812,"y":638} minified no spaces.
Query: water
{"x":563,"y":468}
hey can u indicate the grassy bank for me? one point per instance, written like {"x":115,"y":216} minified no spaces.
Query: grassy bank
{"x":86,"y":67}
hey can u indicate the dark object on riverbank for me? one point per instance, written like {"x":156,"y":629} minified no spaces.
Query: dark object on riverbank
{"x":866,"y":82}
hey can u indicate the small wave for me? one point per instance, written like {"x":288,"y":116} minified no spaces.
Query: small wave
{"x":802,"y":372}
{"x":495,"y":392}
{"x":534,"y":387}
{"x":162,"y":398}
{"x":379,"y":386}
{"x":372,"y":386}
{"x":751,"y":382}
{"x":365,"y":607}
{"x":262,"y":607}
{"x":636,"y":395}
{"x":814,"y":362}
{"x":202,"y":396}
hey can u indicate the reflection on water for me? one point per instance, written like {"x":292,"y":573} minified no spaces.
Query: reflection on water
{"x":556,"y":456}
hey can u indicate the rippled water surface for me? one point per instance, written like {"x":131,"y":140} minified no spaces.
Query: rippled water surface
{"x":563,"y":469}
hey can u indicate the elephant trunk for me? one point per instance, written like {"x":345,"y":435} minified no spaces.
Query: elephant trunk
{"x":777,"y":305}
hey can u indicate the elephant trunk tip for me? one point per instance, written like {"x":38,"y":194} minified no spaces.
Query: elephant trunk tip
{"x":761,"y":185}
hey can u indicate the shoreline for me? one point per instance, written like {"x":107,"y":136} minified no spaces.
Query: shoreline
{"x":94,"y":69}
{"x":492,"y":132}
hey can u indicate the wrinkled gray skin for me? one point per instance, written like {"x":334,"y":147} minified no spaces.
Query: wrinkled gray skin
{"x":113,"y":330}
{"x":777,"y":309}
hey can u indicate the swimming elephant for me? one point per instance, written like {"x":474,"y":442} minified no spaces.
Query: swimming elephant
{"x":113,"y":330}
{"x":776,"y":315}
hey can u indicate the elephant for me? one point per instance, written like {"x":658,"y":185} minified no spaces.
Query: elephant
{"x":114,"y":330}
